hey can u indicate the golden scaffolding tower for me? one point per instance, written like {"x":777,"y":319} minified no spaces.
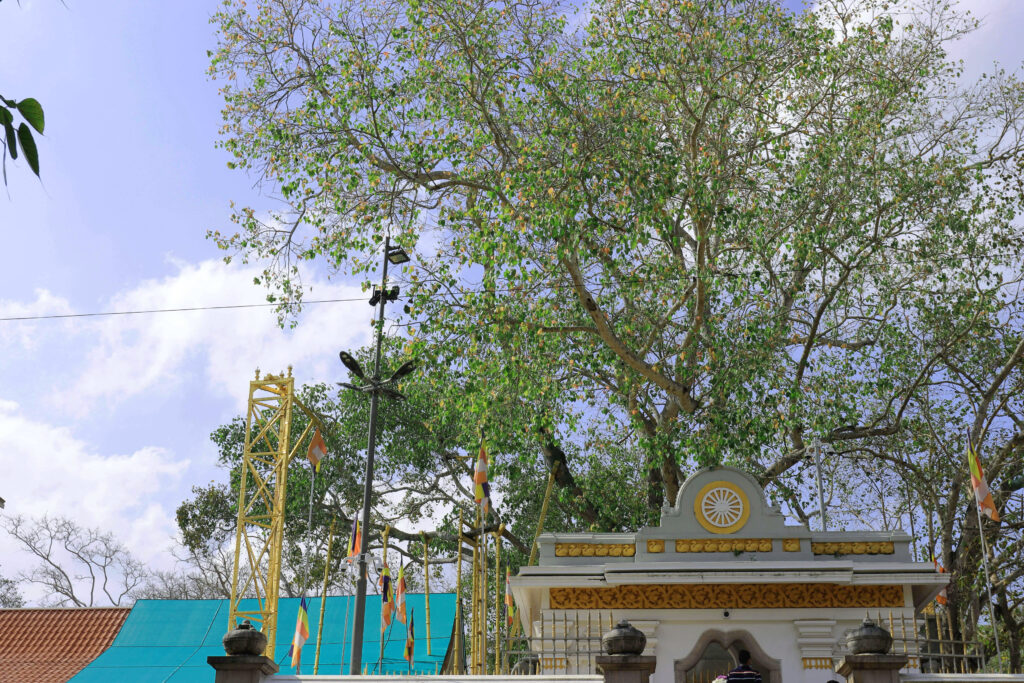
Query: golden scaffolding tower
{"x":261,"y":499}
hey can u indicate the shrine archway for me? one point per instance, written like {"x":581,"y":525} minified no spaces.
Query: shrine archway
{"x":716,"y":652}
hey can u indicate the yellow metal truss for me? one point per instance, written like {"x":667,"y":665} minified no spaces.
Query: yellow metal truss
{"x":261,"y":499}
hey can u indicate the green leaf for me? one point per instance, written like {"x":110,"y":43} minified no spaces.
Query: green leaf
{"x":28,"y":146}
{"x":5,"y":116}
{"x":12,"y":143}
{"x":33,"y":112}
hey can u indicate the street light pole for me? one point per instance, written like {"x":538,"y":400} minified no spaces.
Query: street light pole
{"x":356,"y":660}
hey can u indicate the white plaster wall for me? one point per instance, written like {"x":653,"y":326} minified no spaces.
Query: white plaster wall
{"x":672,"y":634}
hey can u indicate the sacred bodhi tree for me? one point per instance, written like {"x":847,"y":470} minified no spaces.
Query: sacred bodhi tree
{"x":707,"y":230}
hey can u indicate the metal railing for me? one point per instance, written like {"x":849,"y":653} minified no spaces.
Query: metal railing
{"x":559,"y":644}
{"x":929,"y":643}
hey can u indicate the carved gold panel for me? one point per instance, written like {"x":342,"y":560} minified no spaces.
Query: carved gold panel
{"x":595,"y":549}
{"x":854,"y":548}
{"x":656,"y":546}
{"x":724,"y":545}
{"x":818,"y":663}
{"x":791,"y":545}
{"x":727,"y":596}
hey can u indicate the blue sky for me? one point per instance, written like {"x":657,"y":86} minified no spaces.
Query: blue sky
{"x":107,"y":420}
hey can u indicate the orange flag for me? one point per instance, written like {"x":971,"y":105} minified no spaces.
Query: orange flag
{"x":317,"y":450}
{"x":400,"y":595}
{"x":387,"y":598}
{"x":942,"y":598}
{"x":509,"y":605}
{"x":980,"y":486}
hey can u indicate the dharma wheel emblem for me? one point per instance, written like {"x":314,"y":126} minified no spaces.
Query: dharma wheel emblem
{"x":722,"y":507}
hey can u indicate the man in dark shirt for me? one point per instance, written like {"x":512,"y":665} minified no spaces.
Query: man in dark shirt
{"x":743,"y":673}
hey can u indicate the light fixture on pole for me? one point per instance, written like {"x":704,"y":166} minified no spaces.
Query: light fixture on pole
{"x":374,"y":386}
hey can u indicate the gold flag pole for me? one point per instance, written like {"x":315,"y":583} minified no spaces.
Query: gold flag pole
{"x":323,"y":598}
{"x":474,"y":637}
{"x":459,"y":656}
{"x":534,"y":548}
{"x":426,"y":585}
{"x":497,"y":598}
{"x":483,"y":597}
{"x":384,"y":554}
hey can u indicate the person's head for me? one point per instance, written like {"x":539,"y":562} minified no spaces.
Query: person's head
{"x":744,"y":657}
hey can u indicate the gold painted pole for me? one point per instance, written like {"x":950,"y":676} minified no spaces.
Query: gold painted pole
{"x":497,"y":599}
{"x":459,"y":660}
{"x":483,"y":599}
{"x":426,"y":585}
{"x":474,"y":636}
{"x":535,"y":548}
{"x":323,"y":599}
{"x":387,"y":532}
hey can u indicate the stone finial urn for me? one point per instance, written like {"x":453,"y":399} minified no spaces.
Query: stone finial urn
{"x":624,"y":639}
{"x":869,"y":638}
{"x":244,"y":640}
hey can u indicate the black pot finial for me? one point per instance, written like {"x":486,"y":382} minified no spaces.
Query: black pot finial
{"x":244,"y":640}
{"x":869,"y":638}
{"x":624,"y":639}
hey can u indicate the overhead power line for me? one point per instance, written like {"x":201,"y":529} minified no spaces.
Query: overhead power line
{"x":176,"y":310}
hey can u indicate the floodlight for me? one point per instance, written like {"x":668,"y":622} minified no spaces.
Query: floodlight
{"x":397,"y":255}
{"x":352,"y":364}
{"x":407,"y":367}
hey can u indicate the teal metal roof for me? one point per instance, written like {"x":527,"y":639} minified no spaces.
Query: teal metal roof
{"x":168,"y":641}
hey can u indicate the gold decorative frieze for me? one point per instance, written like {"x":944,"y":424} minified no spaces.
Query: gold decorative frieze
{"x":727,"y":596}
{"x":854,"y":548}
{"x":595,"y":550}
{"x":724,"y":545}
{"x":818,"y":663}
{"x":791,"y":545}
{"x":656,"y":546}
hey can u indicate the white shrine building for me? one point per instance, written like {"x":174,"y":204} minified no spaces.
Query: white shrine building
{"x":721,"y":573}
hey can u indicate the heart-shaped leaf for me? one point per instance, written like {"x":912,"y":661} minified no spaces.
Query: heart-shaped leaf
{"x":28,"y":147}
{"x":33,"y":113}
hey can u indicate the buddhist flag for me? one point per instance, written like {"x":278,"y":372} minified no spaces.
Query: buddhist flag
{"x":317,"y":450}
{"x":301,"y":634}
{"x":980,"y":486}
{"x":942,"y":598}
{"x":387,"y":598}
{"x":355,"y":541}
{"x":509,"y":605}
{"x":410,"y":639}
{"x":400,"y":595}
{"x":481,"y":489}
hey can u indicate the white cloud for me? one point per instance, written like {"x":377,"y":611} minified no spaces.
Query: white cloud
{"x":135,"y":354}
{"x":24,"y":333}
{"x":48,"y":471}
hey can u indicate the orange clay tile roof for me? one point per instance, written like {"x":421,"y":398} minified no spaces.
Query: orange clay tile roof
{"x":52,"y":645}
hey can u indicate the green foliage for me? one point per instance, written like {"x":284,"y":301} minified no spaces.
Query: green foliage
{"x":673,"y":235}
{"x":30,"y":110}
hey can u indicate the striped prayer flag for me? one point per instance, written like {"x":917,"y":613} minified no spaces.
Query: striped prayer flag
{"x":509,"y":605}
{"x":301,"y":634}
{"x":980,"y":486}
{"x":481,"y":489}
{"x":400,"y":595}
{"x":410,"y":640}
{"x":387,"y":598}
{"x":355,"y":541}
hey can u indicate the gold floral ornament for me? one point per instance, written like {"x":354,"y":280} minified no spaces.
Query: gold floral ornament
{"x":727,"y":596}
{"x":595,"y":550}
{"x":722,"y":507}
